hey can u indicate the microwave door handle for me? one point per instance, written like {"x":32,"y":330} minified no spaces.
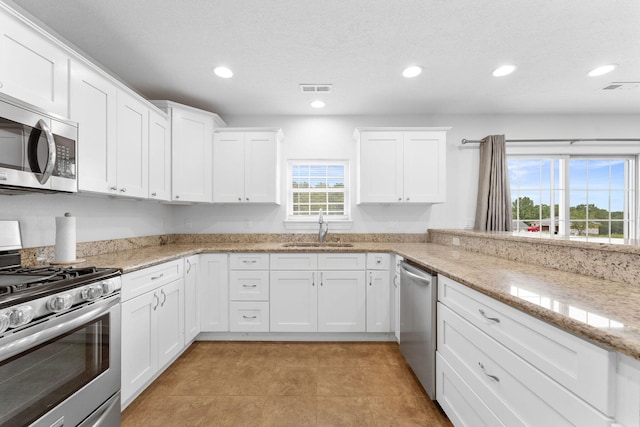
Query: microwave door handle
{"x":51,"y":156}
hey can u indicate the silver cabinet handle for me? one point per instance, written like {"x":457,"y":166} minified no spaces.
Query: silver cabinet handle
{"x":370,"y":278}
{"x":177,"y":196}
{"x":249,"y":261}
{"x":249,"y":317}
{"x":153,"y":194}
{"x":188,"y":267}
{"x":494,"y":319}
{"x":123,"y":190}
{"x":399,"y":199}
{"x":395,"y":280}
{"x":114,"y":188}
{"x":239,"y":199}
{"x":493,"y":377}
{"x":247,"y":199}
{"x":321,"y":284}
{"x":249,"y":286}
{"x":408,"y":198}
{"x":164,"y":296}
{"x":155,"y":297}
{"x":313,"y":278}
{"x":157,"y":277}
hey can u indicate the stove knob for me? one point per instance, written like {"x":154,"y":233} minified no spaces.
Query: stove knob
{"x":108,"y":287}
{"x":91,"y":293}
{"x":4,"y":322}
{"x":20,"y":316}
{"x":60,"y":303}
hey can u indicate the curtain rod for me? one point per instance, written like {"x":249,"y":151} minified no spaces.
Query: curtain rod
{"x":570,"y":141}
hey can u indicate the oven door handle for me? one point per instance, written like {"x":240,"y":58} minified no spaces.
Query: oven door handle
{"x":56,"y":327}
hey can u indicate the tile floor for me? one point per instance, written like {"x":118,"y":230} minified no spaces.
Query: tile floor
{"x":286,"y":384}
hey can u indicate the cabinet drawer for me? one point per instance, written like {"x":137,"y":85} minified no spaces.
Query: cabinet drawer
{"x":342,"y":261}
{"x":248,"y":316}
{"x":141,"y":281}
{"x":463,"y":407}
{"x":378,"y":261}
{"x":584,"y":368}
{"x":517,"y":392}
{"x":294,"y":261}
{"x":249,"y":285}
{"x":249,"y":261}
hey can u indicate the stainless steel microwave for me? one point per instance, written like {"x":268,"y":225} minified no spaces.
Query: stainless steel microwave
{"x":37,"y":150}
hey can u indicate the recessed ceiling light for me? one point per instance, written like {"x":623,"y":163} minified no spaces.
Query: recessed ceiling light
{"x":412,"y":71}
{"x":504,"y":70}
{"x":223,"y":72}
{"x":318,"y":104}
{"x":604,"y":69}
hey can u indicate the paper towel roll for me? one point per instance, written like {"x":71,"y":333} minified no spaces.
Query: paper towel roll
{"x":65,"y":238}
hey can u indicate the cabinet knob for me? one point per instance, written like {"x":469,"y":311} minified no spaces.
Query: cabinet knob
{"x":399,"y":199}
{"x":153,"y":194}
{"x":113,"y":188}
{"x":177,"y":197}
{"x":239,"y":199}
{"x":123,"y":190}
{"x":408,"y":198}
{"x":247,"y":199}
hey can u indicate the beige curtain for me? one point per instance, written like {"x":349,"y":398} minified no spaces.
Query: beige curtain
{"x":493,"y":208}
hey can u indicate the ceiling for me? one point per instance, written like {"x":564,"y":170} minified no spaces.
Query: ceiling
{"x":166,"y":49}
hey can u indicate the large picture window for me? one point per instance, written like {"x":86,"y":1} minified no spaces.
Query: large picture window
{"x":315,"y":185}
{"x":585,"y":198}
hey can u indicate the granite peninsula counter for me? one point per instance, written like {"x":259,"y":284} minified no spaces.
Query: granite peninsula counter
{"x":602,"y":311}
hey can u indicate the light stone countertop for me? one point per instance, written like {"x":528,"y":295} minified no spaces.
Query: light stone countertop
{"x":602,"y":311}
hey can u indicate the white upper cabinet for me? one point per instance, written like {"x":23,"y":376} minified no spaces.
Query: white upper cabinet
{"x":159,"y":156}
{"x":246,"y":165}
{"x":33,"y":68}
{"x":405,"y":165}
{"x":191,"y":151}
{"x":93,"y":103}
{"x":132,"y":146}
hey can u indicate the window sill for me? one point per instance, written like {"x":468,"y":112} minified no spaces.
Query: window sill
{"x":312,"y":224}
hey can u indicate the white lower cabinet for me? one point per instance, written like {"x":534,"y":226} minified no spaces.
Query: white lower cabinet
{"x":192,"y":293}
{"x":627,"y":392}
{"x":152,"y":325}
{"x":214,"y":285}
{"x":378,"y":293}
{"x":482,"y":373}
{"x":249,"y":292}
{"x":317,"y":293}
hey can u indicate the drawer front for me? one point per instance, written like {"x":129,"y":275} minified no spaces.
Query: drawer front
{"x":294,"y":261}
{"x":463,"y":407}
{"x":249,"y":261}
{"x":517,"y":392}
{"x":141,"y":281}
{"x":584,"y":368}
{"x":342,"y":261}
{"x":378,"y":261}
{"x":248,"y":316}
{"x":249,"y":285}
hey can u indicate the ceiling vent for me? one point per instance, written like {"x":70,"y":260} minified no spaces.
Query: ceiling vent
{"x":315,"y":88}
{"x":622,"y":86}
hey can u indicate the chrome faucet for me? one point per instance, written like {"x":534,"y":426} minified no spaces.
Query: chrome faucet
{"x":324,"y":228}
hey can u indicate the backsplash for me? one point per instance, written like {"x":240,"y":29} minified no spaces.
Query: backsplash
{"x":620,"y":263}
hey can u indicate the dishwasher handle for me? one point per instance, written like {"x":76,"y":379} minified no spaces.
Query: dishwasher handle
{"x":424,"y":278}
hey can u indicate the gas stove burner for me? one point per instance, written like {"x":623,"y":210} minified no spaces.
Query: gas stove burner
{"x":19,"y":279}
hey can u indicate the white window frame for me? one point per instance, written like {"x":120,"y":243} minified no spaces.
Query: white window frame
{"x":578,"y":151}
{"x":311,"y":221}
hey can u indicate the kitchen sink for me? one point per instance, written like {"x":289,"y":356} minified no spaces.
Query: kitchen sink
{"x":317,"y":245}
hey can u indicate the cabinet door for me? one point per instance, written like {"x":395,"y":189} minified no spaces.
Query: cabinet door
{"x":424,"y":167}
{"x":380,"y":167}
{"x":214,"y":303}
{"x":139,"y":343}
{"x":341,"y":301}
{"x":33,"y":68}
{"x":261,"y":168}
{"x":293,"y":301}
{"x":170,"y":321}
{"x":92,"y":104}
{"x":228,"y":167}
{"x":132,"y":147}
{"x":159,"y":156}
{"x":378,"y":301}
{"x":191,"y":298}
{"x":192,"y":140}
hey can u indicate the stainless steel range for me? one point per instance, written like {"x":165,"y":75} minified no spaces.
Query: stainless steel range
{"x":59,"y":342}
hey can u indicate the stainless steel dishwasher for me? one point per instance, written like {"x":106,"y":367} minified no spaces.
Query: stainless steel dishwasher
{"x":418,"y":323}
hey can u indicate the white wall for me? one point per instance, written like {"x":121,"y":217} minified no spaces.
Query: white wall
{"x":331,"y":137}
{"x":97,"y":218}
{"x":322,"y":137}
